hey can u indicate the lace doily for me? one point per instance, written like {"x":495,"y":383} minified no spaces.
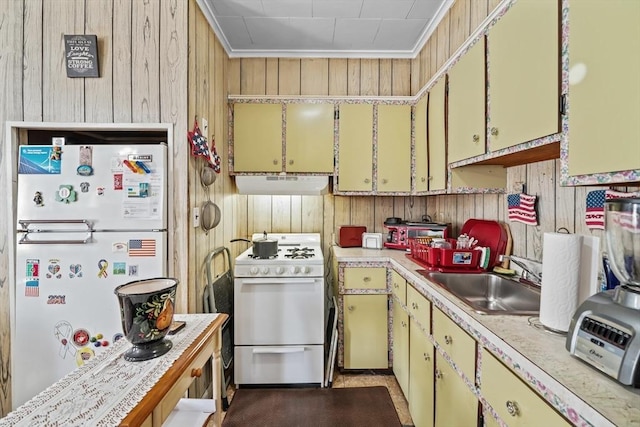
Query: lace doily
{"x":105,"y":390}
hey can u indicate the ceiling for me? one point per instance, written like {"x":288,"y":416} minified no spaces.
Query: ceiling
{"x":324,"y":28}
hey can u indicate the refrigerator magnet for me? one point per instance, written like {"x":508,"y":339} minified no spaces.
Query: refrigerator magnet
{"x":102,"y":266}
{"x":117,"y":181}
{"x":84,"y":187}
{"x":53,"y":270}
{"x":119,"y":268}
{"x":37,"y":199}
{"x":66,"y":194}
{"x":83,"y":355}
{"x":75,"y":270}
{"x":81,"y":337}
{"x":86,"y":160}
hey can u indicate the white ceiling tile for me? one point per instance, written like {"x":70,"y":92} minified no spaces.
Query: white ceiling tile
{"x":354,"y":32}
{"x":316,"y":30}
{"x":287,"y":8}
{"x":337,"y":9}
{"x":237,"y":7}
{"x":266,"y":32}
{"x":399,"y":34}
{"x":424,"y":9}
{"x":386,"y":9}
{"x":235,"y":31}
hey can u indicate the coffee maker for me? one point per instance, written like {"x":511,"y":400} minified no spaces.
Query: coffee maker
{"x":605,"y":330}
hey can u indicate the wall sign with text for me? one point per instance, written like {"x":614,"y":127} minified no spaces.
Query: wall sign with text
{"x":81,"y":54}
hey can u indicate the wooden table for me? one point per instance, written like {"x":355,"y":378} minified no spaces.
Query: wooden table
{"x":111,"y":391}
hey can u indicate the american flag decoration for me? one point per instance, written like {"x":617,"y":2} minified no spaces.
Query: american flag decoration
{"x":142,"y":247}
{"x":594,"y":212}
{"x":32,"y":274}
{"x":199,"y":145}
{"x":522,"y":208}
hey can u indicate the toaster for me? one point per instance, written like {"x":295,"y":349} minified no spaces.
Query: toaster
{"x":350,"y":236}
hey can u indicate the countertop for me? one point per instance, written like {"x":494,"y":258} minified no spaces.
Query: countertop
{"x":581,"y":393}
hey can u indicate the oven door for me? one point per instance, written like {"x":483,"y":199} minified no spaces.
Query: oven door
{"x":279,"y":311}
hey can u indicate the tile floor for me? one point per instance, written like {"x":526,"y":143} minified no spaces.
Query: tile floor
{"x":364,"y":379}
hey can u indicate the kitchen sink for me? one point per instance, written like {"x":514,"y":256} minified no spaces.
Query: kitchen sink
{"x":488,"y":293}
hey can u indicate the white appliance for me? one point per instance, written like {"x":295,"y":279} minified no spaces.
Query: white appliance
{"x":89,"y":218}
{"x":279,"y":313}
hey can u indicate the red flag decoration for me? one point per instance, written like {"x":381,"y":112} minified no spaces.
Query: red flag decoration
{"x":594,"y":212}
{"x":521,"y":208}
{"x":216,"y":158}
{"x":198,"y":143}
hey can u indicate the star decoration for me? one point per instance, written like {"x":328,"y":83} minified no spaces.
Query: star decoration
{"x":199,"y":145}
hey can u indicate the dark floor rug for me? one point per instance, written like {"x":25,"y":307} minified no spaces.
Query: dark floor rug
{"x":330,"y":407}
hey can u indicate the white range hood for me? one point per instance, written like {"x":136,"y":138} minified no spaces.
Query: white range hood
{"x":282,"y":184}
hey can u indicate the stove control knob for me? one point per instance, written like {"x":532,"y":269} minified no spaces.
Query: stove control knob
{"x":265,"y":270}
{"x":253,"y":271}
{"x":279,"y":270}
{"x":294,"y":270}
{"x":306,"y":270}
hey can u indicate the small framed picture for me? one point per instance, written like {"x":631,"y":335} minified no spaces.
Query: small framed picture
{"x":81,"y":55}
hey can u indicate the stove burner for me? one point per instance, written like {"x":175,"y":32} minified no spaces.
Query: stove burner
{"x":300,"y":253}
{"x":252,"y":256}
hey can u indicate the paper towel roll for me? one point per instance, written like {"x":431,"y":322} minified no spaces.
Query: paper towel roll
{"x":560,"y":279}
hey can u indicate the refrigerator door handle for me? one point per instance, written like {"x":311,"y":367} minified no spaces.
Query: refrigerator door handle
{"x":26,"y":241}
{"x":26,"y":223}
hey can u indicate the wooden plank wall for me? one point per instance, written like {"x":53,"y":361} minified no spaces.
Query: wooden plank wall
{"x":143,"y":78}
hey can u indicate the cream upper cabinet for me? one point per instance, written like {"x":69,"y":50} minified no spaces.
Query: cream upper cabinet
{"x":467,"y":100}
{"x":604,"y":86}
{"x":257,"y":138}
{"x":524,"y":73}
{"x":365,"y":332}
{"x":394,"y":148}
{"x":516,"y":403}
{"x":309,"y":138}
{"x":436,"y":137}
{"x":420,"y":141}
{"x":355,"y":147}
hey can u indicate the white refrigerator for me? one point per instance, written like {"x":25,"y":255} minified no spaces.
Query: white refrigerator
{"x":89,"y":218}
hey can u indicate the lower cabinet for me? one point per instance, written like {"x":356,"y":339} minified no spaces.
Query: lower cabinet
{"x":401,"y":346}
{"x":455,"y":403}
{"x":366,"y":341}
{"x":515,"y":403}
{"x":421,"y":363}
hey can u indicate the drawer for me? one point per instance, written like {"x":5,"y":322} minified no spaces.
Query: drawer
{"x":180,"y":387}
{"x":512,"y":399}
{"x":455,"y":342}
{"x":399,"y":287}
{"x":420,"y":308}
{"x":365,"y":278}
{"x":296,"y":364}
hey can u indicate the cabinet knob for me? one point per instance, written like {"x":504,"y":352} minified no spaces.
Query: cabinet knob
{"x":512,"y":408}
{"x":385,"y":181}
{"x":494,"y":131}
{"x":414,"y":305}
{"x":426,"y":357}
{"x":290,"y":162}
{"x":403,"y":324}
{"x":367,"y":279}
{"x":275,"y":162}
{"x":438,"y":374}
{"x":448,"y":339}
{"x":196,"y":372}
{"x":350,"y":308}
{"x":423,"y":179}
{"x":367,"y":180}
{"x":476,"y":138}
{"x":430,"y":178}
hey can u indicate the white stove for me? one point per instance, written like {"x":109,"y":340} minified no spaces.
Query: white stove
{"x":279,"y":319}
{"x":299,"y":255}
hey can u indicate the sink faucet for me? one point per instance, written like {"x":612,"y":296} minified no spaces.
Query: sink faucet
{"x":527,"y":273}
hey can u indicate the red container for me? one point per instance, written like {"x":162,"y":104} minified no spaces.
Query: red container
{"x":350,"y":236}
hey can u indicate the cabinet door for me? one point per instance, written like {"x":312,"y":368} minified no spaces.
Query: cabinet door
{"x":604,"y":86}
{"x":365,"y":332}
{"x":421,"y":363}
{"x":513,"y":400}
{"x":399,"y":286}
{"x":456,"y":405}
{"x":309,"y":138}
{"x":419,"y":307}
{"x":365,"y":278}
{"x":467,"y":100}
{"x":355,"y":148}
{"x":401,"y":347}
{"x":257,"y":138}
{"x":394,"y":148}
{"x":455,"y":342}
{"x":523,"y":74}
{"x":437,"y":141}
{"x":420,"y":138}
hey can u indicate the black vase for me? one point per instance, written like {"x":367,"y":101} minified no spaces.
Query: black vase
{"x":146,"y":311}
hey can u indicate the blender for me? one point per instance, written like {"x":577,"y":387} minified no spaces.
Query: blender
{"x":605,"y":329}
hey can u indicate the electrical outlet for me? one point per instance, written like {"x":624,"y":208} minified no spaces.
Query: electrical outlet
{"x":196,"y":217}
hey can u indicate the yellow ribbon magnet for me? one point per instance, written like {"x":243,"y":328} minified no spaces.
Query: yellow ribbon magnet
{"x":102,"y":265}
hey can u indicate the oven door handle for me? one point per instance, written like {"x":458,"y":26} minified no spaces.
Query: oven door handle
{"x":278,"y":350}
{"x":277,"y":281}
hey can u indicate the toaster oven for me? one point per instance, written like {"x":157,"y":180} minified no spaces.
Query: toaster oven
{"x":398,"y":235}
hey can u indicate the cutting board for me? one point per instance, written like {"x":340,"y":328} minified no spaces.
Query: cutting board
{"x":509,"y":245}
